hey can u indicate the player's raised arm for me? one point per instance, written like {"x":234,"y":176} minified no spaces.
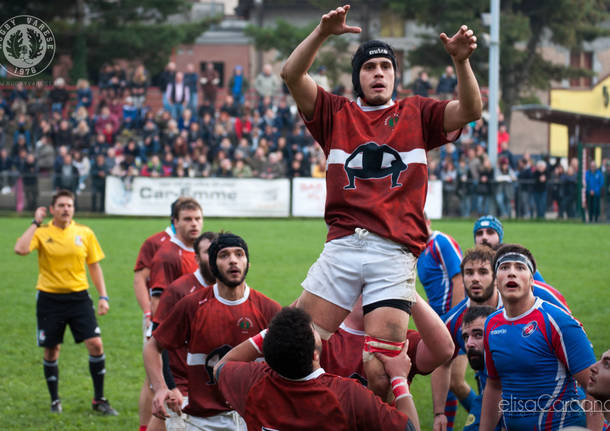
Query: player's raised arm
{"x":294,"y":72}
{"x":468,"y":107}
{"x":437,"y":346}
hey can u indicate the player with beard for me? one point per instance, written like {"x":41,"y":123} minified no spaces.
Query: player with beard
{"x":376,"y":183}
{"x":210,"y":322}
{"x":291,"y":390}
{"x":473,"y":326}
{"x":535,"y":352}
{"x":479,"y":284}
{"x":174,"y":363}
{"x":488,"y":230}
{"x":598,"y":386}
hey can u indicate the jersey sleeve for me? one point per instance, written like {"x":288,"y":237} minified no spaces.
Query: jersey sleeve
{"x":167,"y":301}
{"x":570,"y":342}
{"x":174,"y":331}
{"x":235,"y":380}
{"x":163,"y":271}
{"x":433,"y":117}
{"x":451,"y":254}
{"x":269,"y":307}
{"x":94,"y":250}
{"x":366,"y":409}
{"x":321,"y":125}
{"x":145,"y":255}
{"x":35,"y":241}
{"x":552,"y":295}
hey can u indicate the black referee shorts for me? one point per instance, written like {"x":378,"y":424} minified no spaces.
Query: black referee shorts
{"x":56,"y":310}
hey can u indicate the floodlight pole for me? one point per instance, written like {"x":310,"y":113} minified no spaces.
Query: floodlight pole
{"x":494,"y":77}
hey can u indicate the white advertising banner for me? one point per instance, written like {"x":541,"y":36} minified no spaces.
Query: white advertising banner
{"x":434,"y":200}
{"x":219,"y":197}
{"x":308,"y":197}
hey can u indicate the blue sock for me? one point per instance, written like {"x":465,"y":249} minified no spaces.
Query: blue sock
{"x":467,"y":402}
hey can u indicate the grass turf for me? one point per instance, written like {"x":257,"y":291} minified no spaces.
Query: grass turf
{"x":573,"y":257}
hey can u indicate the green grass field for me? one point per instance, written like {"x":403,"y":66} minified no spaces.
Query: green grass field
{"x":573,"y":257}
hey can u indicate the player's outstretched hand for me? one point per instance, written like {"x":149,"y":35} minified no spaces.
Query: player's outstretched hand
{"x":40,"y":214}
{"x":399,"y":365}
{"x":334,"y":22}
{"x":461,"y":45}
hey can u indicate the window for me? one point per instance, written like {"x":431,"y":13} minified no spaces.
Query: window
{"x":582,"y":60}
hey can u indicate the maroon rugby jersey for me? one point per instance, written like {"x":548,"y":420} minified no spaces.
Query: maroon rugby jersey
{"x":321,"y":402}
{"x":171,"y":261}
{"x":342,"y":353}
{"x":376,"y":176}
{"x":177,"y":290}
{"x":149,"y":247}
{"x":210,"y":326}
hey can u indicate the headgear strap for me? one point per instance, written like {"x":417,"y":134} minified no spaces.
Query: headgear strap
{"x":515,"y":257}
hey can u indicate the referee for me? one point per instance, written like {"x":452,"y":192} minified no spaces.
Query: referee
{"x":64,"y":247}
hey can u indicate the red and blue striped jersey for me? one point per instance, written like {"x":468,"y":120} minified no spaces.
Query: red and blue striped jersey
{"x":535,"y":356}
{"x":436,"y":266}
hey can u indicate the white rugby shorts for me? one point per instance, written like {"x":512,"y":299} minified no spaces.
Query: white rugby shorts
{"x":226,"y":421}
{"x":362,"y":263}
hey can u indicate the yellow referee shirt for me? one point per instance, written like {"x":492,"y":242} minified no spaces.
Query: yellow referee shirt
{"x":63,"y":255}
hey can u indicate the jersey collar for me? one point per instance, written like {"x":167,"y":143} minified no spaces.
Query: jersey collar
{"x":72,"y":223}
{"x":367,"y":108}
{"x":170,"y":231}
{"x":180,"y":244}
{"x":313,"y":375}
{"x":537,"y":304}
{"x":199,"y":277}
{"x":228,"y":302}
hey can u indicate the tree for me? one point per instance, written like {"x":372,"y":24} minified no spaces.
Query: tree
{"x":284,"y":37}
{"x":94,"y":32}
{"x":524,"y":26}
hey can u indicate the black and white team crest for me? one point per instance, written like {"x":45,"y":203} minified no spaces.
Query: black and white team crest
{"x":373,"y":161}
{"x":27,"y":46}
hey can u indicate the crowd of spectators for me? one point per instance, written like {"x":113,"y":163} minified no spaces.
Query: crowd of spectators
{"x":77,"y":137}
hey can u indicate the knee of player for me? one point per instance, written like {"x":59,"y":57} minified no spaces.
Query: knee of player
{"x":95,"y":346}
{"x":51,"y":353}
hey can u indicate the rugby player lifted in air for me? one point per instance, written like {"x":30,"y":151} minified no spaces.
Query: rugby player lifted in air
{"x":376,"y":183}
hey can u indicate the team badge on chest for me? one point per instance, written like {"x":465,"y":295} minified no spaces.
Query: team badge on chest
{"x":373,"y":161}
{"x":244,"y":323}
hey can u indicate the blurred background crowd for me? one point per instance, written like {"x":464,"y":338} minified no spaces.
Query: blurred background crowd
{"x":74,"y":136}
